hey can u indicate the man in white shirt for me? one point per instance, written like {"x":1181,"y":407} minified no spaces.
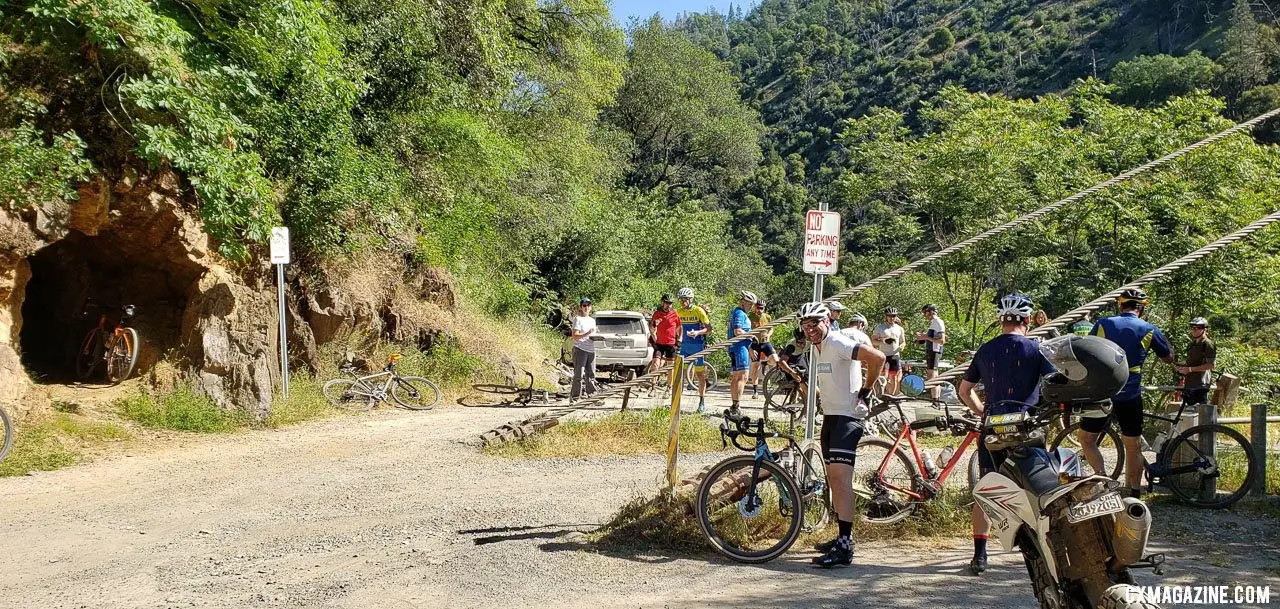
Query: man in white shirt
{"x":838,"y":362}
{"x":888,"y":338}
{"x":584,"y":351}
{"x":932,"y":340}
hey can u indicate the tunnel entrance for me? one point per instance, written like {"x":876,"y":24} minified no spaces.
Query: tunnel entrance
{"x":77,"y":280}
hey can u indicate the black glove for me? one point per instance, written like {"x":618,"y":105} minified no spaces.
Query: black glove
{"x":863,"y":394}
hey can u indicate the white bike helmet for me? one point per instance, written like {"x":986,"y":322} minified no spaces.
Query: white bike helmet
{"x":813,"y":310}
{"x":748,"y":296}
{"x":1015,"y":307}
{"x":836,"y":306}
{"x":1199,"y":322}
{"x":858,"y":319}
{"x":685,"y":293}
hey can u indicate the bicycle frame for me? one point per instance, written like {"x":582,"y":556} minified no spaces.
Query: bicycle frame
{"x":909,"y":434}
{"x":363,"y":381}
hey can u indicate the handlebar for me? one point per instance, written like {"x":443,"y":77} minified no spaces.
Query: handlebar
{"x":742,"y":427}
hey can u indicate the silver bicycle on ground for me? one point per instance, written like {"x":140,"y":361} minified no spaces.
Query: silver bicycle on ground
{"x":363,"y":392}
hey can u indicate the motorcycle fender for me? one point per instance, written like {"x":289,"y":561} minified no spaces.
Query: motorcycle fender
{"x":1053,"y":495}
{"x":1007,"y":507}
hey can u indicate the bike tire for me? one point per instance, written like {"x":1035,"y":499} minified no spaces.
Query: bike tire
{"x":497,"y":389}
{"x":1043,"y":584}
{"x":89,"y":354}
{"x":974,"y":471}
{"x":1187,"y":486}
{"x":730,"y":512}
{"x":877,"y":462}
{"x":339,"y":393}
{"x":1109,"y":443}
{"x":7,"y":444}
{"x":415,"y":393}
{"x":123,"y":357}
{"x":691,"y":381}
{"x":813,"y":484}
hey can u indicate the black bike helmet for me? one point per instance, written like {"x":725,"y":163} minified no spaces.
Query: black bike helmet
{"x":667,"y":298}
{"x":931,"y":308}
{"x":1133,"y":295}
{"x":1090,"y":369}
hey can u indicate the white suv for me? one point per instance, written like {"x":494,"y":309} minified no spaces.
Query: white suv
{"x":622,"y":343}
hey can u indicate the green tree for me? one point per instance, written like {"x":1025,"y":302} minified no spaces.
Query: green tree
{"x":1247,"y":53}
{"x":1148,"y":80}
{"x":680,"y":105}
{"x":941,"y":40}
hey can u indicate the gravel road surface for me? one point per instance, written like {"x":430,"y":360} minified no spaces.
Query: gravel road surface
{"x":391,"y":510}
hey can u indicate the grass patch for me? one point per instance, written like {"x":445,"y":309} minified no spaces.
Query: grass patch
{"x":623,"y":433}
{"x":182,"y":410}
{"x":305,"y":402}
{"x":669,"y":526}
{"x":56,"y":442}
{"x":663,"y":522}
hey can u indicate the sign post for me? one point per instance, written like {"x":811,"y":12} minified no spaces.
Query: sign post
{"x":821,"y":257}
{"x":280,"y":257}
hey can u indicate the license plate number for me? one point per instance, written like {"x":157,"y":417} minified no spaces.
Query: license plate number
{"x":1109,"y":503}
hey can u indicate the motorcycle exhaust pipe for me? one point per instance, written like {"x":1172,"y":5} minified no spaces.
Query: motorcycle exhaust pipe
{"x":1133,"y":526}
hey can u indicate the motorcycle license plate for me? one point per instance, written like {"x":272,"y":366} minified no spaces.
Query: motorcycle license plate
{"x":1098,"y":506}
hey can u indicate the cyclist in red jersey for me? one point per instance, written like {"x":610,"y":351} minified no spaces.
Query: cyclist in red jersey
{"x":664,"y":333}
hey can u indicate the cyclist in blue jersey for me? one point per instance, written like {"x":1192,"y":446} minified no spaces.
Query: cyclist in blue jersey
{"x":1136,"y":337}
{"x":694,"y":327}
{"x":739,"y":352}
{"x":1009,"y":367}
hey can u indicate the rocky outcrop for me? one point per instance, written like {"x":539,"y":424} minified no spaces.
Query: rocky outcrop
{"x":135,"y":240}
{"x":229,"y":334}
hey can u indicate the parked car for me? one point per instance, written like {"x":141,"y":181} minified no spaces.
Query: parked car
{"x":622,"y":344}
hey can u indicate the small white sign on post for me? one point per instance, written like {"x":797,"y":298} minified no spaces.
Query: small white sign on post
{"x":821,"y":242}
{"x":280,"y":257}
{"x":279,"y":245}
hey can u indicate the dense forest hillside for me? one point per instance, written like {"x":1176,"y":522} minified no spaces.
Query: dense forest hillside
{"x":539,"y":150}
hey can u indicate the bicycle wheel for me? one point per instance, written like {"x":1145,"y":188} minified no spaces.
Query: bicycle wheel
{"x":747,"y":513}
{"x":1109,"y":444}
{"x":691,"y":378}
{"x":883,"y":478}
{"x":415,"y":393}
{"x":349,"y":394}
{"x":1231,"y":464}
{"x":89,"y":354}
{"x":812,"y":480}
{"x":123,"y":356}
{"x":497,"y":389}
{"x":7,"y":443}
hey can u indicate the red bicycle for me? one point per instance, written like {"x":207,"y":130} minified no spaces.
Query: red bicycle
{"x":889,"y":483}
{"x":116,"y":348}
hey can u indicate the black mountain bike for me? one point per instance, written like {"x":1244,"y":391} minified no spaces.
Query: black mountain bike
{"x":752,"y":508}
{"x":1209,"y":465}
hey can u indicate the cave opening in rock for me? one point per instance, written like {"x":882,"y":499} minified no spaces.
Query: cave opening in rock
{"x":80,"y":278}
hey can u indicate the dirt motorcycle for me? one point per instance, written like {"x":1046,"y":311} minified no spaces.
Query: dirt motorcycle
{"x":1078,"y":536}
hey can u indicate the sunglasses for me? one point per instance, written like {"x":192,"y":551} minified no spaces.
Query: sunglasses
{"x":810,"y":323}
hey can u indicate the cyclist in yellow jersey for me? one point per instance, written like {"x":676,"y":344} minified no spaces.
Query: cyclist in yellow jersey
{"x":694,"y":326}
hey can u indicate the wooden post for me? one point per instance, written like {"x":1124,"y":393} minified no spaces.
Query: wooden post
{"x":673,"y":436}
{"x":1208,"y":445}
{"x":626,"y":397}
{"x":1258,"y":436}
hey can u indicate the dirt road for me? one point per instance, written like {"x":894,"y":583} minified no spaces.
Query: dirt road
{"x":390,"y":510}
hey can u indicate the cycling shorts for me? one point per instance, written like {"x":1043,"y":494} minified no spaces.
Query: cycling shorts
{"x":840,"y":437}
{"x":739,"y":358}
{"x":893,"y":364}
{"x":665,"y":351}
{"x":764,"y":348}
{"x":931,"y":359}
{"x":1127,"y":413}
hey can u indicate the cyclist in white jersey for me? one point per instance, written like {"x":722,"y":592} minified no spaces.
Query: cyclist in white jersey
{"x":838,"y":363}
